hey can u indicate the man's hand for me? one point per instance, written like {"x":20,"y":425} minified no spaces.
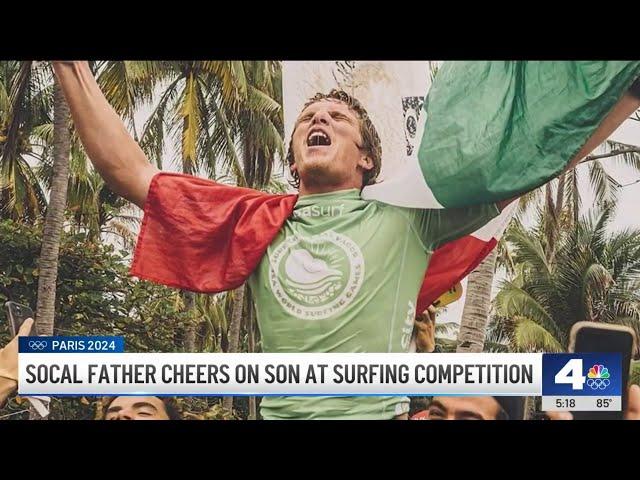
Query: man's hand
{"x":425,"y":324}
{"x":9,"y":354}
{"x":9,"y":363}
{"x":633,"y":404}
{"x":632,"y":412}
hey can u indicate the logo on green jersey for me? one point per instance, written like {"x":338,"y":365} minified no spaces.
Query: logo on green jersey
{"x":316,"y":277}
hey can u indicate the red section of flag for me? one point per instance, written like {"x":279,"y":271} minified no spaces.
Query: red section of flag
{"x":451,"y":263}
{"x":211,"y":236}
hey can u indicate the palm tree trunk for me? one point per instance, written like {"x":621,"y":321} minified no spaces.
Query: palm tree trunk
{"x":238,"y":294}
{"x":189,"y":343}
{"x":475,"y":315}
{"x":551,"y":221}
{"x":234,"y":332}
{"x":253,"y":409}
{"x":529,"y":407}
{"x":48,"y":262}
{"x":99,"y":408}
{"x":253,"y":414}
{"x":560,"y":195}
{"x":575,"y":197}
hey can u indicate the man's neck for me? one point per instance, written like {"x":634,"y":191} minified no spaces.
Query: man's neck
{"x":315,"y":189}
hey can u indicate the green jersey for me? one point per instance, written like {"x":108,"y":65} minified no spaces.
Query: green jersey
{"x":343,"y":275}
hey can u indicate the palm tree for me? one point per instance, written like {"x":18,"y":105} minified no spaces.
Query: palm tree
{"x":26,"y":96}
{"x":192,"y":102}
{"x":25,"y":121}
{"x":251,"y":348}
{"x":220,"y":114}
{"x":593,"y":276}
{"x":184,"y":99}
{"x":184,"y":107}
{"x":48,"y":262}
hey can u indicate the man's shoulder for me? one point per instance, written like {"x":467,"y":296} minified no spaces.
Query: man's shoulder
{"x":393,"y":210}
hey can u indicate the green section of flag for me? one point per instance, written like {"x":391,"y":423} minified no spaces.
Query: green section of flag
{"x":495,"y":130}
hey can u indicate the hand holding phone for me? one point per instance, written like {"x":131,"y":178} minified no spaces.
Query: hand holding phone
{"x":17,"y":314}
{"x":600,"y":337}
{"x":9,"y":355}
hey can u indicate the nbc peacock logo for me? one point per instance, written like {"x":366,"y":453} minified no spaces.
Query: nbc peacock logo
{"x":598,"y":377}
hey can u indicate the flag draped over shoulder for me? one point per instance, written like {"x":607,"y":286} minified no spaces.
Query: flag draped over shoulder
{"x":488,"y":131}
{"x":205,"y":237}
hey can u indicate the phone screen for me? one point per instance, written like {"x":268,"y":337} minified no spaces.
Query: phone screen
{"x":590,"y":339}
{"x":17,"y":314}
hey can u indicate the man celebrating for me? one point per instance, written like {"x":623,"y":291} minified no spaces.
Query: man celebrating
{"x":330,"y":272}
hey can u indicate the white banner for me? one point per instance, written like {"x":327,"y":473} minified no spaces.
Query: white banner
{"x":387,"y":374}
{"x":392,"y":93}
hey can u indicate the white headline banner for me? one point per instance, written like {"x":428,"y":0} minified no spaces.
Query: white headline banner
{"x":280,"y":374}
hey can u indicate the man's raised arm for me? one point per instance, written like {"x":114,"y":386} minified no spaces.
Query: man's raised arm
{"x":112,"y":150}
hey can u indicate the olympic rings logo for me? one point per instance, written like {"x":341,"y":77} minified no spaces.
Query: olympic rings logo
{"x":37,"y":345}
{"x":598,"y":383}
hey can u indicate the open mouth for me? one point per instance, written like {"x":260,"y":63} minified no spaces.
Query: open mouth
{"x":318,"y":138}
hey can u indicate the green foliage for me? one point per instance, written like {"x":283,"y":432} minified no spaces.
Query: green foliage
{"x":592,"y":275}
{"x":95,"y":296}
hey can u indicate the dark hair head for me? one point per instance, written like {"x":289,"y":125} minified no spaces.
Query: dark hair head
{"x":170,"y":406}
{"x":511,"y":408}
{"x":370,"y":138}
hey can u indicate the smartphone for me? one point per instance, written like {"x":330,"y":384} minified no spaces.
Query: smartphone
{"x":605,"y":338}
{"x":17,"y":314}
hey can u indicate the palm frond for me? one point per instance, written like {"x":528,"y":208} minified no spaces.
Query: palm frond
{"x":605,"y":187}
{"x":631,"y":157}
{"x":258,"y":101}
{"x":528,"y":249}
{"x":190,"y":116}
{"x":224,"y":145}
{"x":17,"y":113}
{"x":512,"y":301}
{"x":529,"y":336}
{"x":152,"y":140}
{"x":447,"y":328}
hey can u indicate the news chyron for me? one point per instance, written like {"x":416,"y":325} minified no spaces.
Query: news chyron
{"x":74,"y":366}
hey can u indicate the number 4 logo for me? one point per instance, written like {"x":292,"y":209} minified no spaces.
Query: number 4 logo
{"x":572,"y":373}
